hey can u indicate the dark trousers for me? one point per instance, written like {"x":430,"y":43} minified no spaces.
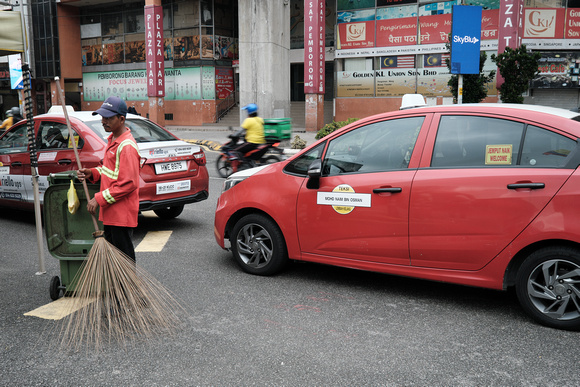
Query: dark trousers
{"x":246,"y":147}
{"x":120,"y":237}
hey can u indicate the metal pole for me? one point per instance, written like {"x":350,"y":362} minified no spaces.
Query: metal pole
{"x":460,"y":89}
{"x":33,"y":164}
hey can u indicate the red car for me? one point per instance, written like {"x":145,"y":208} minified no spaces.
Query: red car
{"x":173,"y":172}
{"x":483,"y":195}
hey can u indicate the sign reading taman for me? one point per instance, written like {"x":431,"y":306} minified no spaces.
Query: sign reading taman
{"x":154,"y":47}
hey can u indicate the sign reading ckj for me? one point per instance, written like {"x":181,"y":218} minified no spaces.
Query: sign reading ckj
{"x":465,"y":39}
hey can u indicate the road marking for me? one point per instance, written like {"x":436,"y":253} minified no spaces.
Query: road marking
{"x":58,"y":309}
{"x":154,"y":241}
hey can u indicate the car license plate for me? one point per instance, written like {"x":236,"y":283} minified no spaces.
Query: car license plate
{"x":176,"y":166}
{"x":174,"y":186}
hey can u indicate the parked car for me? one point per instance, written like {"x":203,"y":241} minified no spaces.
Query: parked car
{"x":483,"y":195}
{"x":173,"y":172}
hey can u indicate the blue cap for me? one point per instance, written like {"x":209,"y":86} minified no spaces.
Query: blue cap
{"x":111,"y":107}
{"x":251,"y":108}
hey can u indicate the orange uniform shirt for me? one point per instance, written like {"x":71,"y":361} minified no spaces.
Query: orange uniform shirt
{"x":119,"y":175}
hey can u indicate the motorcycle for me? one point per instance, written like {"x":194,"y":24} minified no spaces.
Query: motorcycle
{"x":229,"y":161}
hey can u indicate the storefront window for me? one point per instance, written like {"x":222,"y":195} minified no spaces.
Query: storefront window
{"x":186,"y":14}
{"x":135,"y":48}
{"x":112,"y":24}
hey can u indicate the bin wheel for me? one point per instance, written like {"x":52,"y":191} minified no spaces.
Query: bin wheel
{"x":55,"y":288}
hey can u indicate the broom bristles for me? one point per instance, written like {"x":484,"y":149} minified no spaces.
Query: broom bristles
{"x":116,"y":301}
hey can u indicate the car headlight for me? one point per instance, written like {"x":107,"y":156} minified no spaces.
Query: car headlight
{"x":240,"y":176}
{"x":232,"y":181}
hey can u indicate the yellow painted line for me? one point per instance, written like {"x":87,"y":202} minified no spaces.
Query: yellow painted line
{"x":154,"y":241}
{"x":58,"y":309}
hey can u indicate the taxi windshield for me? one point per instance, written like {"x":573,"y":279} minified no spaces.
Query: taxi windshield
{"x":142,"y":130}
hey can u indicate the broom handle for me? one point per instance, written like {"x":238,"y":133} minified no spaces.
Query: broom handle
{"x":74,"y":143}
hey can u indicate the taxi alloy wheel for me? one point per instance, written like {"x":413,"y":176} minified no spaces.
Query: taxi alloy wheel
{"x":548,"y":287}
{"x":258,"y":245}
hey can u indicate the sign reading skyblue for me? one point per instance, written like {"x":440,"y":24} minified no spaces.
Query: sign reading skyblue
{"x":465,"y":39}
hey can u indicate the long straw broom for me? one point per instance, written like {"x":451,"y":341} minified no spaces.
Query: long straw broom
{"x":114,"y":299}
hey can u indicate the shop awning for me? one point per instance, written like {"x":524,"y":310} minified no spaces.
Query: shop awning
{"x":10,"y":33}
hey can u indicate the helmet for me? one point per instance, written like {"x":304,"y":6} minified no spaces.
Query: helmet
{"x":251,"y":108}
{"x":15,"y":111}
{"x":8,"y":113}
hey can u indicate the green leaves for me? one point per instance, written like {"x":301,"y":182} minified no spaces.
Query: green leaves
{"x":517,"y":67}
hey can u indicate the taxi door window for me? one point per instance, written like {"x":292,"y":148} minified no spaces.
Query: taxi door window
{"x":54,"y":135}
{"x":473,"y":141}
{"x":377,"y":147}
{"x":299,"y":166}
{"x":543,"y":148}
{"x":16,"y":140}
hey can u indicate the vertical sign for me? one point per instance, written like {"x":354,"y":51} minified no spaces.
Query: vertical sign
{"x":511,"y":28}
{"x":154,"y":46}
{"x":465,"y":39}
{"x":16,"y":79}
{"x":314,"y":39}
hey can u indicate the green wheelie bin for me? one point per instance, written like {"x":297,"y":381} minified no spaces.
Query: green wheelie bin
{"x":69,"y":237}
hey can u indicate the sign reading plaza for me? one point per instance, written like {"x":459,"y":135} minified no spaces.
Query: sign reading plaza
{"x":465,"y":39}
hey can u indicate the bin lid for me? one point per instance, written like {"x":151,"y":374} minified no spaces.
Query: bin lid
{"x":68,"y":236}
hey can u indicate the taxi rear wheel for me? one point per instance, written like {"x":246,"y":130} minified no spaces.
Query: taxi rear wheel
{"x":169,"y":212}
{"x":548,"y":287}
{"x":258,"y":245}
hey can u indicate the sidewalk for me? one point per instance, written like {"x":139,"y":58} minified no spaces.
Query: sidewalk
{"x":213,"y":137}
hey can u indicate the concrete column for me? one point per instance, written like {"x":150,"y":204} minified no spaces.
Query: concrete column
{"x":314,"y":112}
{"x":264,"y":46}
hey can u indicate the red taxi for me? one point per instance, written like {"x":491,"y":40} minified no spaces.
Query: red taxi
{"x":482,"y":195}
{"x":173,"y":172}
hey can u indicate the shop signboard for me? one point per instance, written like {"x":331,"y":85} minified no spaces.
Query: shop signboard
{"x":182,"y":83}
{"x":558,"y":70}
{"x":465,"y":39}
{"x":541,"y":23}
{"x":224,"y":82}
{"x":397,"y":32}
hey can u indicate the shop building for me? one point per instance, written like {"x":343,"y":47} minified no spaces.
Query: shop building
{"x":217,"y":53}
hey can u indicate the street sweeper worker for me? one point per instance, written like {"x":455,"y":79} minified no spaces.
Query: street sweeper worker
{"x":118,"y":197}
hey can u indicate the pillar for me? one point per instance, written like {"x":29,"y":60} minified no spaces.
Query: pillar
{"x":264,"y":47}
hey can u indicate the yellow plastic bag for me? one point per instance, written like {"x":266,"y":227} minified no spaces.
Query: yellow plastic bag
{"x":73,"y":199}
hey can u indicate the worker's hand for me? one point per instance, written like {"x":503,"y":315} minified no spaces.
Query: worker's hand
{"x":92,"y":206}
{"x":83,"y":174}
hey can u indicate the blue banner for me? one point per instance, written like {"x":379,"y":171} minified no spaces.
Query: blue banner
{"x":465,"y":39}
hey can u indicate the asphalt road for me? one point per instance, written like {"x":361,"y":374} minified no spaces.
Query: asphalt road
{"x":311,"y":325}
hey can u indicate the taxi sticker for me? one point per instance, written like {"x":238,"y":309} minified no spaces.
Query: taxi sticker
{"x":498,"y":154}
{"x":47,"y":156}
{"x":343,"y":199}
{"x":4,"y":170}
{"x":70,"y":144}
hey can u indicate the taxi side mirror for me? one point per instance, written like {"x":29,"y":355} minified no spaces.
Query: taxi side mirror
{"x":314,"y":173}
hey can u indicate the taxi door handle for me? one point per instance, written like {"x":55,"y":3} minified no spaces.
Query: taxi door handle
{"x":387,"y":190}
{"x":526,"y":186}
{"x":64,"y":162}
{"x":16,"y":164}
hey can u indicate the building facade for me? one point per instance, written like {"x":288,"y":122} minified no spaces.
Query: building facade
{"x":220,"y":52}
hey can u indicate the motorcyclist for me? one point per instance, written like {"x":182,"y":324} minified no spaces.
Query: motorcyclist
{"x":7,"y":123}
{"x":254,"y":127}
{"x":16,"y":115}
